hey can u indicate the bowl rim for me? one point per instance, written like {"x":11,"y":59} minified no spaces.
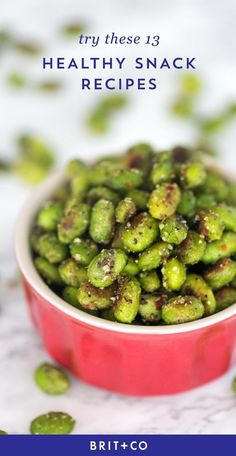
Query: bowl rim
{"x":25,"y":263}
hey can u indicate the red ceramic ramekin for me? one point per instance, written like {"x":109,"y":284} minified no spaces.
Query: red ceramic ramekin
{"x":129,"y":359}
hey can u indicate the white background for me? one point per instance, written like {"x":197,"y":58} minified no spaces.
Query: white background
{"x":204,"y":29}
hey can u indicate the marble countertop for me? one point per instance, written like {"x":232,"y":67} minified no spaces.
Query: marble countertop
{"x":210,"y":409}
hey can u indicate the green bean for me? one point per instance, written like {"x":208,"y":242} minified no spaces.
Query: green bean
{"x":227,"y":215}
{"x":125,"y":210}
{"x":52,"y":423}
{"x":105,"y":268}
{"x":97,"y":193}
{"x":150,"y":307}
{"x":154,"y":256}
{"x":83,"y":250}
{"x":74,"y":222}
{"x":222,"y":248}
{"x":127,"y":299}
{"x":164,"y":200}
{"x":102,"y":221}
{"x":174,"y":229}
{"x":220,"y":274}
{"x":182,"y":309}
{"x":50,"y":215}
{"x":139,"y":197}
{"x":195,"y":285}
{"x":187,"y":203}
{"x":150,"y":281}
{"x":192,"y":249}
{"x":225,"y":297}
{"x":192,"y":174}
{"x":209,"y":224}
{"x":93,"y":298}
{"x":140,"y":232}
{"x":174,"y":274}
{"x":51,"y":248}
{"x":51,"y":379}
{"x":48,"y":271}
{"x":71,"y":273}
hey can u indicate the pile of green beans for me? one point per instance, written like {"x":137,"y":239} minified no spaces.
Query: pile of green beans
{"x":140,"y":238}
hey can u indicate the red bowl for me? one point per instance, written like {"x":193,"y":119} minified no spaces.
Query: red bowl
{"x":129,"y":359}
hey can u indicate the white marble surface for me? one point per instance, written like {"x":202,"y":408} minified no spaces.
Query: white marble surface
{"x":211,"y":409}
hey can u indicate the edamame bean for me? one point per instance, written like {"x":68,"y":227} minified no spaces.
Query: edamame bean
{"x":164,"y":200}
{"x":174,"y":274}
{"x":48,"y":271}
{"x":93,"y":298}
{"x":192,"y":174}
{"x":74,"y":223}
{"x":78,"y":175}
{"x":108,"y":314}
{"x":125,"y":179}
{"x":182,"y":309}
{"x":162,"y":172}
{"x":125,"y":210}
{"x":51,"y":248}
{"x":227,"y":215}
{"x":71,"y":273}
{"x":215,"y":185}
{"x":205,"y":201}
{"x":102,"y":221}
{"x":131,"y":268}
{"x":196,"y":286}
{"x":50,"y":215}
{"x":140,"y":232}
{"x":192,"y":249}
{"x":220,"y":274}
{"x":225,"y":297}
{"x":174,"y":229}
{"x":139,"y":157}
{"x":83,"y":250}
{"x":140,"y":198}
{"x":187,"y":203}
{"x":150,"y":281}
{"x":209,"y":224}
{"x":105,"y":268}
{"x":52,"y":423}
{"x":222,"y":248}
{"x":97,"y":193}
{"x":51,"y":379}
{"x":69,"y":294}
{"x":127,"y":299}
{"x":150,"y":307}
{"x":34,"y":239}
{"x":154,"y":256}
